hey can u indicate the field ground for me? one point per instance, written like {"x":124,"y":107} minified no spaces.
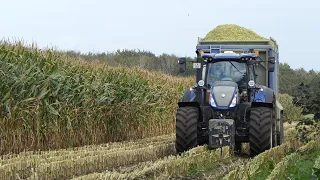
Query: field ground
{"x":155,"y":158}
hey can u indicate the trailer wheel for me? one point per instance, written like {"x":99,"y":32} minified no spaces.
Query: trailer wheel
{"x":186,"y":128}
{"x":261,"y":130}
{"x":280,"y":134}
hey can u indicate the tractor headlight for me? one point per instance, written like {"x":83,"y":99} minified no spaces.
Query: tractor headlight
{"x":212,"y":103}
{"x":234,"y":101}
{"x":201,"y":83}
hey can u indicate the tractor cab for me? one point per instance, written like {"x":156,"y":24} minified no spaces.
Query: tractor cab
{"x":227,"y":78}
{"x":229,"y":66}
{"x":227,"y":71}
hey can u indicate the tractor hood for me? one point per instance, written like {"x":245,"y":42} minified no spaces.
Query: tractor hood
{"x":223,"y":94}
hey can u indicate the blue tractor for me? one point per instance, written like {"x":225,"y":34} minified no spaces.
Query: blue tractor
{"x":235,"y":99}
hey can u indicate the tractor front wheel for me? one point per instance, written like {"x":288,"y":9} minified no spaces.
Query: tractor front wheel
{"x":261,"y":130}
{"x":186,"y":128}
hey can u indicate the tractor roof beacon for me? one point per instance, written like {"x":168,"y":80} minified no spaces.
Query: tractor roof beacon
{"x":235,"y":99}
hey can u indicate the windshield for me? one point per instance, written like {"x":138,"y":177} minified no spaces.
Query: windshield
{"x":226,"y":70}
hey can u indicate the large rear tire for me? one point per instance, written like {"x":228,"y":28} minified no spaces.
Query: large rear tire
{"x":186,"y":128}
{"x":261,"y":130}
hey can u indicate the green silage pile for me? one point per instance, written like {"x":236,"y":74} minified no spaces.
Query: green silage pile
{"x":232,"y":32}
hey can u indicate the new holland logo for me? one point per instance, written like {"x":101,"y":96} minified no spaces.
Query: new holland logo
{"x":223,"y":95}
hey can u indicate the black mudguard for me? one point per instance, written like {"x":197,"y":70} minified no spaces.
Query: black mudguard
{"x":187,"y":99}
{"x":188,"y":95}
{"x":263,"y":98}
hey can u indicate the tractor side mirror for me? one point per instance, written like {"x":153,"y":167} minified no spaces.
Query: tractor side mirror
{"x":182,"y":65}
{"x":271,"y":62}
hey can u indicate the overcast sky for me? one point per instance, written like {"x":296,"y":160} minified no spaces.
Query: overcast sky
{"x":166,"y":26}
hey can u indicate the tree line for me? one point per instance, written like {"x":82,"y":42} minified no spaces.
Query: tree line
{"x":303,"y":86}
{"x":165,"y":63}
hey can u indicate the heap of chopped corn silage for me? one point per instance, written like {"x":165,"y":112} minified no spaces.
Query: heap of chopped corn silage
{"x":233,"y":32}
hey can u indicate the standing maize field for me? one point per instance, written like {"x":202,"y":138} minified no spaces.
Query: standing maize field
{"x":50,"y":101}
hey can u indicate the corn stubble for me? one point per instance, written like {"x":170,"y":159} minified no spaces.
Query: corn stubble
{"x":275,"y":155}
{"x":152,"y":158}
{"x":167,"y":167}
{"x":63,"y":164}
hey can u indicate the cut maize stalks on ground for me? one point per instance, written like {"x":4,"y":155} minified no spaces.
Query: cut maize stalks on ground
{"x":151,"y":158}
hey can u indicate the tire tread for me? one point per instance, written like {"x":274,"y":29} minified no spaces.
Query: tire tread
{"x":186,"y":128}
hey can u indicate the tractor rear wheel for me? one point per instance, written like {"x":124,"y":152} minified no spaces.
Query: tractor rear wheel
{"x":186,"y":128}
{"x":261,"y":130}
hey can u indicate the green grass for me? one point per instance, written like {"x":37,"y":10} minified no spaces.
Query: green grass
{"x":297,"y":165}
{"x":200,"y":168}
{"x":264,"y":170}
{"x":316,"y":168}
{"x":300,"y":168}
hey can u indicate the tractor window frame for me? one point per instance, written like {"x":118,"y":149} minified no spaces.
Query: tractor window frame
{"x":225,"y":69}
{"x":251,"y":72}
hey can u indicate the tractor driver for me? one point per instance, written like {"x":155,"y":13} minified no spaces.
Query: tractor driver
{"x":239,"y":73}
{"x":215,"y":72}
{"x":225,"y":70}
